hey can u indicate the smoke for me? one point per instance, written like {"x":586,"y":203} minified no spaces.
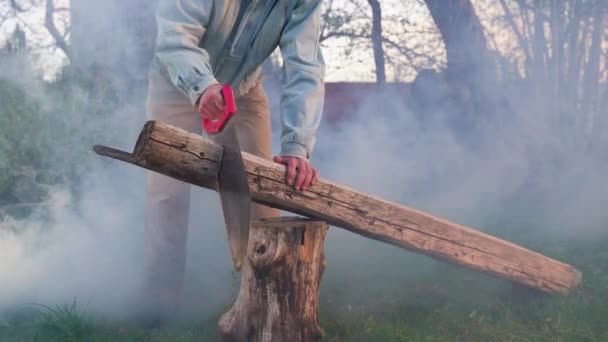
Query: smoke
{"x":508,"y":177}
{"x":85,"y":240}
{"x":518,"y":178}
{"x":74,"y":253}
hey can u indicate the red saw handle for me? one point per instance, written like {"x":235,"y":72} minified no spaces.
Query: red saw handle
{"x":215,"y":126}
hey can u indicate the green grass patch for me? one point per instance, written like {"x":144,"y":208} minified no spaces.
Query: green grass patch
{"x":445,"y":303}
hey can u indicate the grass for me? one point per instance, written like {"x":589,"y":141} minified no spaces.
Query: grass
{"x":63,"y":323}
{"x":444,"y":304}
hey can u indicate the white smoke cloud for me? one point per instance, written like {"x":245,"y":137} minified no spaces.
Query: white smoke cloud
{"x":90,"y":246}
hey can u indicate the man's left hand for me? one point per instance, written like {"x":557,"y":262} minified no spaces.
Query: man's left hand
{"x":306,"y":174}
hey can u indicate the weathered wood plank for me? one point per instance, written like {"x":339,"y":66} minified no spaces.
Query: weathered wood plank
{"x":193,"y":159}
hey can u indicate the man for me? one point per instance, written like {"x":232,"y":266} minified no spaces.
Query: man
{"x":202,"y":44}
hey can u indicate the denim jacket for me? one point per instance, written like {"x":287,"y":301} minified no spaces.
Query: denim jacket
{"x":197,"y":46}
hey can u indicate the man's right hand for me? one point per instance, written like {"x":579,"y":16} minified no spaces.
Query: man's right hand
{"x":211,"y":103}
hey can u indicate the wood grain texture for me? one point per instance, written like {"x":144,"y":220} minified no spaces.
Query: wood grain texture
{"x":279,"y":294}
{"x":193,"y":159}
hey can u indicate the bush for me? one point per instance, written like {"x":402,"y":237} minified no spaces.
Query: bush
{"x":46,"y":134}
{"x":18,"y":116}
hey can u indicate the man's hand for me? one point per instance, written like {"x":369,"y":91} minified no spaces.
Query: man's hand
{"x":306,"y":174}
{"x":211,"y":103}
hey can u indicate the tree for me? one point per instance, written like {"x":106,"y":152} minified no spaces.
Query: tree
{"x":51,"y":27}
{"x":16,"y":42}
{"x":377,"y":42}
{"x":113,"y":37}
{"x":43,"y":36}
{"x":398,"y":45}
{"x":560,"y":44}
{"x":467,"y":91}
{"x":466,"y":47}
{"x":106,"y":45}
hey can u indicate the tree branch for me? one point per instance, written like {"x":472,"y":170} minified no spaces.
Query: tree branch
{"x":406,"y":52}
{"x":49,"y":23}
{"x":511,"y":21}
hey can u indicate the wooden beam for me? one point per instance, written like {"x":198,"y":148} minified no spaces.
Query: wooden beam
{"x":193,"y":159}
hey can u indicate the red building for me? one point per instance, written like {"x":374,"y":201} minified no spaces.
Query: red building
{"x":345,"y":98}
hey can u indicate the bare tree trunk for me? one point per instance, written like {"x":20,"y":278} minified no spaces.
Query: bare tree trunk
{"x":540,"y":46}
{"x":377,"y":41}
{"x":463,"y":36}
{"x":592,"y":69}
{"x":518,"y":34}
{"x":557,"y":61}
{"x":474,"y":93}
{"x":574,"y":54}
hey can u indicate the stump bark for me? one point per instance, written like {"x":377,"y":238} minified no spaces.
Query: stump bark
{"x":279,"y":295}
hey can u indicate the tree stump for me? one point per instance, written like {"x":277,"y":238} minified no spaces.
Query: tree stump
{"x":279,"y":294}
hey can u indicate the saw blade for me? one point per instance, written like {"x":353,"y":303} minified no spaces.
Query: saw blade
{"x":235,"y":199}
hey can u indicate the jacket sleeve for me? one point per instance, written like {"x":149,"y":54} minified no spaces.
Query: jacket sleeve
{"x":181,"y":25}
{"x":303,"y":74}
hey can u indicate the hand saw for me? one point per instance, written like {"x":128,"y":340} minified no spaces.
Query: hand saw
{"x":232,"y":181}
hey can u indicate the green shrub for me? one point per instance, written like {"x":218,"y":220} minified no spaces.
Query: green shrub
{"x":46,"y":135}
{"x":18,"y":116}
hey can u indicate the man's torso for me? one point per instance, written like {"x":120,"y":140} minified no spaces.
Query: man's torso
{"x":240,"y":35}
